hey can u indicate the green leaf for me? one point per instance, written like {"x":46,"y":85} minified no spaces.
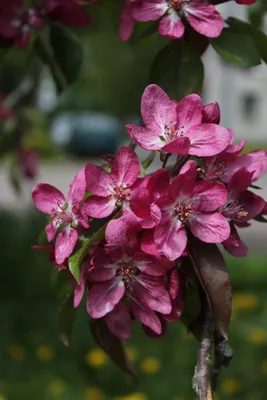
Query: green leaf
{"x":142,"y":31}
{"x":178,"y":70}
{"x":112,"y":346}
{"x":260,"y":218}
{"x":149,"y":160}
{"x":42,"y":239}
{"x":66,"y":318}
{"x":237,"y":48}
{"x":61,"y":283}
{"x":192,"y":304}
{"x":259,"y":38}
{"x":213,"y":276}
{"x":67,"y":50}
{"x":81,"y":250}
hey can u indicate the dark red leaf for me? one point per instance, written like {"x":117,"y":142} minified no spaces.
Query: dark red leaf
{"x":112,"y":346}
{"x":213,"y":276}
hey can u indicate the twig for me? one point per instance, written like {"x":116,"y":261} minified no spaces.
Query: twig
{"x":181,"y":160}
{"x":202,"y":377}
{"x":222,"y":357}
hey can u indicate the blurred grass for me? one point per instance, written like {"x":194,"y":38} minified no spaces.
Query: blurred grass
{"x":34,"y":365}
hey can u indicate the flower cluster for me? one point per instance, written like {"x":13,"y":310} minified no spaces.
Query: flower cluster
{"x":174,"y":15}
{"x":132,"y":271}
{"x":17,"y":19}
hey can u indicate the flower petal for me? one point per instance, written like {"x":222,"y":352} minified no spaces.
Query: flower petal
{"x":204,"y":18}
{"x":189,"y":112}
{"x":234,"y":244}
{"x":171,"y":26}
{"x":79,"y":289}
{"x":149,"y":10}
{"x":209,"y":196}
{"x":127,"y":22}
{"x":140,"y":203}
{"x":147,"y":139}
{"x":159,"y":183}
{"x":51,"y":230}
{"x":48,"y":199}
{"x":119,"y":322}
{"x":239,"y":182}
{"x":148,"y":244}
{"x":180,"y":146}
{"x":211,"y":113}
{"x":103,"y":297}
{"x":182,"y":186}
{"x":99,"y":207}
{"x":77,"y":188}
{"x":252,"y":204}
{"x":210,"y":228}
{"x":103,"y":269}
{"x":125,"y":168}
{"x":146,"y":316}
{"x":123,"y":231}
{"x":65,"y":243}
{"x":98,"y":181}
{"x":208,"y":139}
{"x":152,"y":266}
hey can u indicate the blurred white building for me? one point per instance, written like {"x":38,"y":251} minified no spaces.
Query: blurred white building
{"x":241,"y":93}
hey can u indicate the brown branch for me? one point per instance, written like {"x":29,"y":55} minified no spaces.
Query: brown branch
{"x":202,"y":377}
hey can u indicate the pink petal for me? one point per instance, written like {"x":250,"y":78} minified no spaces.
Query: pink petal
{"x":98,"y":181}
{"x":208,"y":139}
{"x":252,"y":204}
{"x":233,"y":150}
{"x":150,"y":291}
{"x":65,"y":244}
{"x":182,"y":186}
{"x":173,"y":283}
{"x":246,"y":2}
{"x":180,"y":146}
{"x":146,"y":316}
{"x":177,"y":307}
{"x":210,"y":228}
{"x":170,"y":236}
{"x":47,"y":198}
{"x":149,"y":10}
{"x":171,"y":26}
{"x":209,"y":196}
{"x":239,"y":182}
{"x":103,"y":297}
{"x":147,"y":139}
{"x":189,"y":112}
{"x":234,"y":244}
{"x":153,"y":334}
{"x":211,"y":113}
{"x":79,"y":289}
{"x":140,"y":203}
{"x":99,"y":207}
{"x":51,"y":230}
{"x":152,"y":266}
{"x":148,"y":244}
{"x":127,"y":22}
{"x":119,"y":322}
{"x":189,"y":167}
{"x":125,"y":168}
{"x":103,"y":268}
{"x":123,"y":231}
{"x":204,"y":18}
{"x":255,"y":161}
{"x":159,"y":183}
{"x":77,"y":188}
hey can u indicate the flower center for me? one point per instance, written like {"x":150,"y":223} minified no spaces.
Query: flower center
{"x":183,"y":210}
{"x":127,"y":271}
{"x":215,"y":168}
{"x":171,"y":133}
{"x":63,"y":216}
{"x":234,"y":210}
{"x":177,"y":4}
{"x":120,"y":193}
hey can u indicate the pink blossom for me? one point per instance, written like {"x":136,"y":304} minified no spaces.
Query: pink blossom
{"x":127,"y":281}
{"x":191,"y":205}
{"x":114,"y":188}
{"x":241,"y":206}
{"x":28,"y":160}
{"x":65,"y":213}
{"x":211,"y":113}
{"x":177,"y":127}
{"x":202,"y":16}
{"x":68,"y":12}
{"x":127,"y":22}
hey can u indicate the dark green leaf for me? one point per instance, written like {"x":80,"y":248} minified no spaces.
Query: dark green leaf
{"x":256,"y":187}
{"x":192,"y":304}
{"x":213,"y":276}
{"x":260,"y":218}
{"x":66,"y":319}
{"x":149,"y":160}
{"x":81,"y":250}
{"x":112,"y":346}
{"x":67,"y":50}
{"x":260,"y":39}
{"x":177,"y":70}
{"x":237,"y":48}
{"x":42,"y":239}
{"x":61,"y":283}
{"x":142,"y":31}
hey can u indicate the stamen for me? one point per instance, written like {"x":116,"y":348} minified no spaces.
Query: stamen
{"x":183,"y":210}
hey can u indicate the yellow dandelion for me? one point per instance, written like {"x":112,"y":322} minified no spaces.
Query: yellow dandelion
{"x":245,"y":301}
{"x":231,"y":386}
{"x":57,"y":387}
{"x":133,"y":396}
{"x":17,"y":352}
{"x":96,"y":358}
{"x":2,"y":397}
{"x":258,"y":336}
{"x":132,"y":353}
{"x":93,"y":393}
{"x":150,"y":365}
{"x":44,"y":353}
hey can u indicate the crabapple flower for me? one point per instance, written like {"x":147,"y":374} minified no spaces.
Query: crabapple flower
{"x":177,"y":128}
{"x":191,"y":205}
{"x":211,"y":113}
{"x":202,"y":16}
{"x":125,"y":281}
{"x":127,"y":23}
{"x":65,"y":213}
{"x":114,"y":188}
{"x":68,"y":12}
